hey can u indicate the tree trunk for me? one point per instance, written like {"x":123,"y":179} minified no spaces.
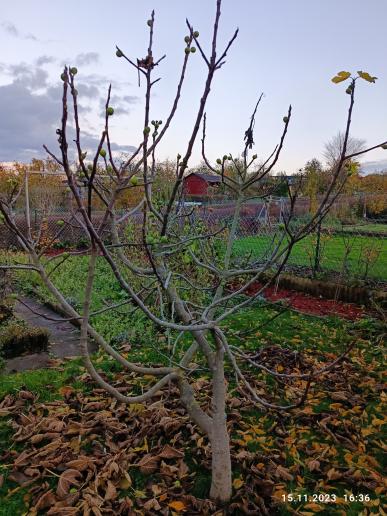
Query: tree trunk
{"x":221,"y":488}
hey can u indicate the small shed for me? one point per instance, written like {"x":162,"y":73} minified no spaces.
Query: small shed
{"x":197,"y":183}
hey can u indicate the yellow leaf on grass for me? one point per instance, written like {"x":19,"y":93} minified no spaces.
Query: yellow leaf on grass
{"x":237,"y":483}
{"x":177,"y":506}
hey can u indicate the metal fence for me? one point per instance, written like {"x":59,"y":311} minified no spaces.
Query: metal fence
{"x":348,"y":245}
{"x":349,"y":250}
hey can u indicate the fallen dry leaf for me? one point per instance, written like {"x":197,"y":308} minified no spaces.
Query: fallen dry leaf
{"x":170,"y":453}
{"x":148,"y":464}
{"x":177,"y":506}
{"x":68,"y":479}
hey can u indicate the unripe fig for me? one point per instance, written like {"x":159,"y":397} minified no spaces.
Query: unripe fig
{"x":149,"y":23}
{"x":134,"y":180}
{"x":187,"y":50}
{"x":281,"y":226}
{"x":102,"y":153}
{"x":384,"y":146}
{"x":153,"y":122}
{"x":285,"y":119}
{"x":146,"y":130}
{"x":186,"y":39}
{"x":119,"y":53}
{"x":193,"y":49}
{"x":110,"y":111}
{"x":219,"y":161}
{"x":160,"y":122}
{"x":225,"y":158}
{"x":179,"y":156}
{"x":60,"y":222}
{"x":63,"y":77}
{"x":255,"y":156}
{"x":196,"y":34}
{"x":349,"y":90}
{"x":73,"y":70}
{"x":75,"y":92}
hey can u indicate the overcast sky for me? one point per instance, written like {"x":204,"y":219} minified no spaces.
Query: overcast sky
{"x":287,"y":49}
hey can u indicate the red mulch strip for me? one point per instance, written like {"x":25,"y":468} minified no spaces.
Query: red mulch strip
{"x":309,"y":304}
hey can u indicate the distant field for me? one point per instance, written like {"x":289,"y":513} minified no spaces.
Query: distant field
{"x":332,"y":255}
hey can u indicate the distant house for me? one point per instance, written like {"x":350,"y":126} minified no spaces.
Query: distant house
{"x":199,"y":184}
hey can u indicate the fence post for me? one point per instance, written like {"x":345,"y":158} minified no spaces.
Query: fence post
{"x":317,"y":255}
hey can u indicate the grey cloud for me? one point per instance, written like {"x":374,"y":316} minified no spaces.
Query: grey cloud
{"x":121,"y":105}
{"x":30,"y":76}
{"x":55,"y":92}
{"x":29,"y":120}
{"x":90,"y":142}
{"x":42,"y":60}
{"x":12,"y":30}
{"x":374,"y":166}
{"x":86,"y":58}
{"x":87,"y":90}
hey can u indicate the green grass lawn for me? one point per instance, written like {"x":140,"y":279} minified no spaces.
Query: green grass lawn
{"x":368,"y":226}
{"x":300,"y":438}
{"x":364,"y":250}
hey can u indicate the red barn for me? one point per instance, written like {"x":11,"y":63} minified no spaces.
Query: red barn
{"x":198,"y":184}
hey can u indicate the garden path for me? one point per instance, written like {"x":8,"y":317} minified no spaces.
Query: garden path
{"x":63,"y":340}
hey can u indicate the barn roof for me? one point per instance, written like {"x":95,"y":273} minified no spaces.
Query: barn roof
{"x":209,"y":178}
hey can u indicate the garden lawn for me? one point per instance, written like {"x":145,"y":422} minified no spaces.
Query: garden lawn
{"x":334,"y":444}
{"x":364,"y":251}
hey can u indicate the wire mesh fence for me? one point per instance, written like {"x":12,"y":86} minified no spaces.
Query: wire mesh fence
{"x":348,"y":245}
{"x":349,"y":250}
